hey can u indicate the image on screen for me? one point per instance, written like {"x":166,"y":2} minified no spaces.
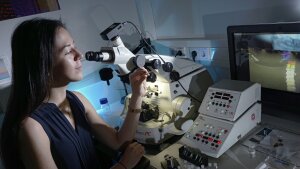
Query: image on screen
{"x":273,"y":59}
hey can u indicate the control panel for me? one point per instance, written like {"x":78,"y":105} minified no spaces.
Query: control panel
{"x":214,"y":136}
{"x":230,"y":109}
{"x":229,"y":99}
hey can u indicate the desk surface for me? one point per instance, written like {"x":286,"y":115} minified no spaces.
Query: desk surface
{"x":237,"y":156}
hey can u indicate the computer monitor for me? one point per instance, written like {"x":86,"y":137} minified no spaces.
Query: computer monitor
{"x":270,"y":55}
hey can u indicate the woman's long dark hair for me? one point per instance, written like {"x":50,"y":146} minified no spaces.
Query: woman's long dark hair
{"x":32,"y":46}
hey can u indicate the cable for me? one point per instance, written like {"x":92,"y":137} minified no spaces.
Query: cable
{"x":178,"y":53}
{"x":142,"y":38}
{"x":188,"y":93}
{"x":158,"y":56}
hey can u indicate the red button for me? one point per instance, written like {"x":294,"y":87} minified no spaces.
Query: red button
{"x":199,"y":135}
{"x":210,"y":139}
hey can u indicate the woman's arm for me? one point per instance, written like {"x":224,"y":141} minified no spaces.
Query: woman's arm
{"x":34,"y":146}
{"x":108,"y":135}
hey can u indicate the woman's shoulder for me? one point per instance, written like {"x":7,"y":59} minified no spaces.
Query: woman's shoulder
{"x":74,"y":95}
{"x":84,"y":101}
{"x":33,"y":142}
{"x":77,"y":94}
{"x":29,"y":130}
{"x":81,"y":98}
{"x":29,"y":124}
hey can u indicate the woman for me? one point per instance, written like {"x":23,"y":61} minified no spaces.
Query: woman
{"x":47,"y":126}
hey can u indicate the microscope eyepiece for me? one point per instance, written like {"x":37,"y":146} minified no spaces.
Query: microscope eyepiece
{"x":93,"y":56}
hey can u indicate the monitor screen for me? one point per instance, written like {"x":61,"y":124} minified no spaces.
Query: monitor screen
{"x":268,"y":54}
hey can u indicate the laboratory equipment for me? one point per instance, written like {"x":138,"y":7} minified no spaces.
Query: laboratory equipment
{"x":111,"y":118}
{"x":170,"y":106}
{"x":104,"y":106}
{"x":175,"y":89}
{"x":230,"y":109}
{"x":229,"y":99}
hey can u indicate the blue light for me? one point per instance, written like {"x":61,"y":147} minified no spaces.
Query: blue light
{"x":93,"y":88}
{"x":212,"y":53}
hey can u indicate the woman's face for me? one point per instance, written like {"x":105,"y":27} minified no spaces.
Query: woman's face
{"x":67,"y":59}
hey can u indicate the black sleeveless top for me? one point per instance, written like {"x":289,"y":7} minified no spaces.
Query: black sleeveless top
{"x":71,"y":148}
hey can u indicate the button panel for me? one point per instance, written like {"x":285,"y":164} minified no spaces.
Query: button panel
{"x":219,"y":103}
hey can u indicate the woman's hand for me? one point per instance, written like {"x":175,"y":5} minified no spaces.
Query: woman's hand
{"x":138,"y":82}
{"x":132,"y":155}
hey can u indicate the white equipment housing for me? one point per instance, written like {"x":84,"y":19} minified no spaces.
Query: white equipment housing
{"x":173,"y":97}
{"x":219,"y":127}
{"x":229,"y":99}
{"x":174,"y":102}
